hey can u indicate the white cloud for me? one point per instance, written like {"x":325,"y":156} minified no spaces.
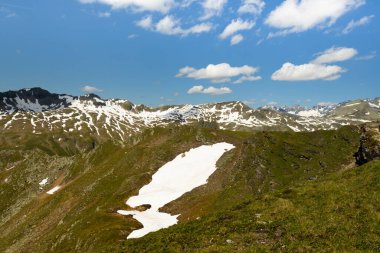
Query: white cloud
{"x":146,"y":23}
{"x":105,"y":14}
{"x":307,"y":72}
{"x":367,"y":57}
{"x":254,"y":7}
{"x":199,"y":89}
{"x":132,"y":36}
{"x":88,"y":88}
{"x":326,"y":104}
{"x":317,"y":69}
{"x":186,"y":3}
{"x":7,"y":13}
{"x":248,"y":78}
{"x":212,"y":8}
{"x":169,"y":25}
{"x":335,"y":54}
{"x":219,"y":73}
{"x":294,"y":16}
{"x":235,"y":26}
{"x":357,"y":23}
{"x":236,"y":39}
{"x":199,"y":28}
{"x":195,"y":89}
{"x":136,"y":5}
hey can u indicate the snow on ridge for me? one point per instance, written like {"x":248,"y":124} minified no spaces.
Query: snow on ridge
{"x":25,"y":104}
{"x":310,"y":113}
{"x":29,"y":105}
{"x":374,"y":105}
{"x":177,"y":177}
{"x":67,"y":98}
{"x":353,"y":104}
{"x":113,"y":118}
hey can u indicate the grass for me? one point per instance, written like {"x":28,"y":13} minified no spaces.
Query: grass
{"x":337,"y":214}
{"x":97,"y":181}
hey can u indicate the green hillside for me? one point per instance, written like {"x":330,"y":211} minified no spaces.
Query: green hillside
{"x":273,"y":189}
{"x":339,"y":213}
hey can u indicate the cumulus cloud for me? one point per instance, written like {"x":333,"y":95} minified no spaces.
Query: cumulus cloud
{"x":293,"y":16}
{"x":199,"y":89}
{"x":317,"y":69}
{"x":136,"y":5}
{"x":146,"y":23}
{"x":236,"y":39}
{"x":307,"y":72}
{"x":212,"y":8}
{"x":254,"y":7}
{"x":88,"y":88}
{"x":357,"y":23}
{"x":235,"y":26}
{"x":219,"y":73}
{"x":169,"y":25}
{"x":335,"y":54}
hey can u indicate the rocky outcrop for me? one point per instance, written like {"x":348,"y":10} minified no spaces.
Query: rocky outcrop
{"x":369,"y":143}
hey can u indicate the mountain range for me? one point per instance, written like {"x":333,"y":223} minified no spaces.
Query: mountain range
{"x":36,"y":109}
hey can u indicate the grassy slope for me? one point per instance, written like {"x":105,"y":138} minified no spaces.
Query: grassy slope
{"x":81,"y":216}
{"x":339,"y":213}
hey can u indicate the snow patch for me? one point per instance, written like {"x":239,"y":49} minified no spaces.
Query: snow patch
{"x":186,"y":172}
{"x":352,"y":104}
{"x":43,"y":182}
{"x":310,"y":113}
{"x":53,"y":190}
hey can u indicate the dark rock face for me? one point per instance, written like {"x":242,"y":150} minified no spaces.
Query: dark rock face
{"x":35,"y":99}
{"x":369,"y":144}
{"x":95,"y":99}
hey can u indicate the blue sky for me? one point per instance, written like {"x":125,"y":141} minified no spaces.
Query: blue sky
{"x":193,"y":51}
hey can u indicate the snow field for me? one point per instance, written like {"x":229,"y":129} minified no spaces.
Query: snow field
{"x":186,"y":172}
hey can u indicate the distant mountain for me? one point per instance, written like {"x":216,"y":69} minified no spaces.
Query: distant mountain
{"x":366,"y":109}
{"x":36,"y":110}
{"x":316,"y":111}
{"x":32,"y":100}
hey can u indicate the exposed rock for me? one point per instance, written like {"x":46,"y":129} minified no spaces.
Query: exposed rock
{"x":369,"y":144}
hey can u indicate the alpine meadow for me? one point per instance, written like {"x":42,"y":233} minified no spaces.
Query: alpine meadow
{"x":189,"y":126}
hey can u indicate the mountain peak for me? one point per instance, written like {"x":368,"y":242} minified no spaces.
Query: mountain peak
{"x":32,"y":99}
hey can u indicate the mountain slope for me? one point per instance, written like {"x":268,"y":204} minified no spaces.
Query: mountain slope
{"x":338,"y":213}
{"x":81,"y":215}
{"x":36,"y":110}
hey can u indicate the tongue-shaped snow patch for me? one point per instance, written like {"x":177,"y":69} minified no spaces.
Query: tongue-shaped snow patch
{"x":186,"y":172}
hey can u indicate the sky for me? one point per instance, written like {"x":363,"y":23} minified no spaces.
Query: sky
{"x":158,"y":52}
